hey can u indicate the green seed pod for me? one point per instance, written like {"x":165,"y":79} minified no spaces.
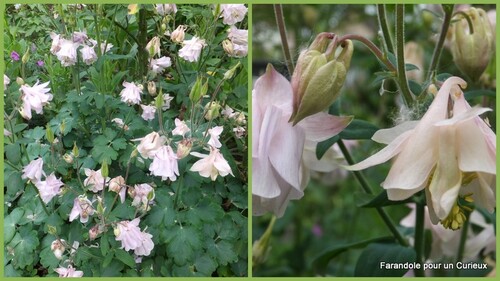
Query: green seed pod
{"x":196,"y":90}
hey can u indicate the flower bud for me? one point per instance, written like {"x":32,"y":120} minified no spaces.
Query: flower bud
{"x":228,"y":47}
{"x":26,"y":56}
{"x":197,"y":90}
{"x":104,"y":169}
{"x":116,"y":184}
{"x":68,"y":158}
{"x":183,"y":148}
{"x":49,"y":134}
{"x":473,"y":49}
{"x":212,"y":110}
{"x":261,"y":247}
{"x":152,"y":88}
{"x":75,"y":150}
{"x":177,"y":35}
{"x":153,"y":47}
{"x":319,"y":76}
{"x":230,"y":73}
{"x":93,"y":232}
{"x":19,"y":81}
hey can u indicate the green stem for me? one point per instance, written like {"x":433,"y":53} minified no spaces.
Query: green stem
{"x":384,"y":26}
{"x":177,"y":193}
{"x":419,"y":237}
{"x":373,"y":48}
{"x":448,"y":13}
{"x":400,"y":56}
{"x":463,"y":240}
{"x":41,"y":200}
{"x":366,"y":187}
{"x":143,"y":53}
{"x":467,"y":18}
{"x":280,"y":21}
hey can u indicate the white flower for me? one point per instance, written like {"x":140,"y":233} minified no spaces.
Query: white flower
{"x":150,"y":144}
{"x":88,"y":55}
{"x":158,"y":65}
{"x":67,"y":54}
{"x":164,"y":164}
{"x":140,"y":194}
{"x":148,"y":112}
{"x":166,"y":101}
{"x":68,"y":272}
{"x":239,"y":38}
{"x":228,"y":112}
{"x":132,"y":238}
{"x":81,"y":207}
{"x":57,"y":247}
{"x":119,"y":122}
{"x":6,"y":82}
{"x":56,"y":43}
{"x":180,"y":128}
{"x":34,"y":170}
{"x":233,"y":13}
{"x":94,"y":180}
{"x":79,"y":37}
{"x":211,"y":165}
{"x":165,"y":9}
{"x":34,"y":98}
{"x":131,"y":94}
{"x":146,"y":246}
{"x":239,"y":132}
{"x":191,"y":49}
{"x":214,"y":136}
{"x":49,"y":188}
{"x":117,"y":184}
{"x":177,"y":35}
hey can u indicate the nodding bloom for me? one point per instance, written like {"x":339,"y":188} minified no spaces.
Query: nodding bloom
{"x":49,"y":188}
{"x":180,"y":128}
{"x":95,"y":181}
{"x":131,"y":94}
{"x":214,"y":136}
{"x":233,"y":13}
{"x":132,"y":238}
{"x":88,"y":54}
{"x":279,"y":173}
{"x":239,"y":42}
{"x":150,"y":144}
{"x":165,"y":9}
{"x":34,"y":98}
{"x":117,"y":184}
{"x":191,"y":49}
{"x":82,"y":207}
{"x":153,"y":47}
{"x":164,"y":164}
{"x":148,"y":112}
{"x":140,"y":194}
{"x":34,"y":170}
{"x":177,"y":35}
{"x":79,"y":37}
{"x":67,"y":54}
{"x":68,"y":272}
{"x":447,"y":154}
{"x":211,"y":165}
{"x":58,"y":248}
{"x":158,"y":65}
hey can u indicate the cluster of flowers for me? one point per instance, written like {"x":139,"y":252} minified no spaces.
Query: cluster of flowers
{"x":238,"y":117}
{"x":66,"y":50}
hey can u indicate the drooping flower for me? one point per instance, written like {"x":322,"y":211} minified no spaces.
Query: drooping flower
{"x":277,"y":164}
{"x":140,"y":194}
{"x":57,"y":247}
{"x":167,"y":99}
{"x":146,"y":246}
{"x":164,"y":164}
{"x":82,"y":207}
{"x":150,"y":144}
{"x":191,"y":49}
{"x":88,"y":55}
{"x":180,"y":128}
{"x":228,"y":112}
{"x":445,"y":155}
{"x":239,"y":40}
{"x":34,"y":98}
{"x":214,"y":136}
{"x":131,"y":94}
{"x":132,"y":238}
{"x":67,"y":53}
{"x":95,"y":181}
{"x":119,"y":122}
{"x":233,"y":13}
{"x":117,"y":185}
{"x":68,"y":272}
{"x":148,"y":112}
{"x":211,"y":165}
{"x":165,"y":9}
{"x":158,"y":65}
{"x":49,"y":188}
{"x":56,"y":43}
{"x":34,"y":170}
{"x":79,"y":37}
{"x":239,"y":132}
{"x":177,"y":35}
{"x":183,"y":148}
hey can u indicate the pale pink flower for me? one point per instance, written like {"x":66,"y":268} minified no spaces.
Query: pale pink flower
{"x":180,"y":128}
{"x":165,"y":9}
{"x":167,"y":99}
{"x":34,"y":98}
{"x":146,"y":246}
{"x":177,"y":35}
{"x":214,"y":136}
{"x":49,"y":188}
{"x":94,"y":181}
{"x":88,"y":55}
{"x":240,"y":118}
{"x":117,"y":184}
{"x":228,"y":112}
{"x":140,"y":194}
{"x":6,"y":82}
{"x":211,"y":165}
{"x":56,"y":43}
{"x":164,"y":164}
{"x":34,"y":170}
{"x":239,"y":132}
{"x":6,"y":133}
{"x":191,"y":49}
{"x":132,"y":238}
{"x":158,"y":65}
{"x":233,"y":13}
{"x":68,"y":272}
{"x":57,"y":247}
{"x":79,"y":37}
{"x":119,"y":122}
{"x":239,"y":38}
{"x":82,"y":207}
{"x":435,"y":153}
{"x":67,"y":53}
{"x":278,"y":172}
{"x":148,"y":112}
{"x":131,"y":94}
{"x":150,"y":144}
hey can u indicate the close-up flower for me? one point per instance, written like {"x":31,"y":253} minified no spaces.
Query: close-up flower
{"x":165,"y":9}
{"x":68,"y":272}
{"x":191,"y":49}
{"x":131,"y":94}
{"x":214,"y":136}
{"x":148,"y":112}
{"x":117,"y":185}
{"x":95,"y":181}
{"x":158,"y":65}
{"x":150,"y":144}
{"x":49,"y":188}
{"x":34,"y":170}
{"x":34,"y":98}
{"x":180,"y":128}
{"x":88,"y":54}
{"x":164,"y":164}
{"x":233,"y":13}
{"x":82,"y":207}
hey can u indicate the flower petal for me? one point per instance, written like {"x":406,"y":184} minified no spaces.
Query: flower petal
{"x":322,"y":126}
{"x":386,"y":136}
{"x":273,"y":89}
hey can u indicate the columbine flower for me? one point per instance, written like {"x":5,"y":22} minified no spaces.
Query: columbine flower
{"x":119,"y":122}
{"x":132,"y":238}
{"x":140,"y":194}
{"x":278,"y":168}
{"x":58,"y":248}
{"x":214,"y":136}
{"x":177,"y":35}
{"x":164,"y":164}
{"x":191,"y":49}
{"x":167,"y":99}
{"x":150,"y":144}
{"x":94,"y":180}
{"x":49,"y":188}
{"x":228,"y":112}
{"x":14,"y":56}
{"x":88,"y":55}
{"x":165,"y":9}
{"x":445,"y":156}
{"x":153,"y":47}
{"x":233,"y":13}
{"x":211,"y":165}
{"x":183,"y":148}
{"x":34,"y":98}
{"x":117,"y":184}
{"x":79,"y":37}
{"x":180,"y":128}
{"x":105,"y":46}
{"x":56,"y":43}
{"x":158,"y":65}
{"x":67,"y":54}
{"x":6,"y":82}
{"x":146,"y":246}
{"x":239,"y":40}
{"x":68,"y":272}
{"x":239,"y":132}
{"x":34,"y":170}
{"x":131,"y":94}
{"x":81,"y":207}
{"x":148,"y":112}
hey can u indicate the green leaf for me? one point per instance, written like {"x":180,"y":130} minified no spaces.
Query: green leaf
{"x":321,"y":261}
{"x":13,"y":153}
{"x":223,"y":252}
{"x":182,"y":243}
{"x":104,"y":244}
{"x":205,"y":265}
{"x":410,"y":67}
{"x":358,"y":129}
{"x":369,"y":262}
{"x":479,"y":93}
{"x":443,"y":76}
{"x":10,"y":222}
{"x":24,"y":244}
{"x":125,"y":257}
{"x":364,"y":200}
{"x":163,"y":213}
{"x":48,"y":259}
{"x":205,"y":211}
{"x":415,"y":87}
{"x":322,"y":147}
